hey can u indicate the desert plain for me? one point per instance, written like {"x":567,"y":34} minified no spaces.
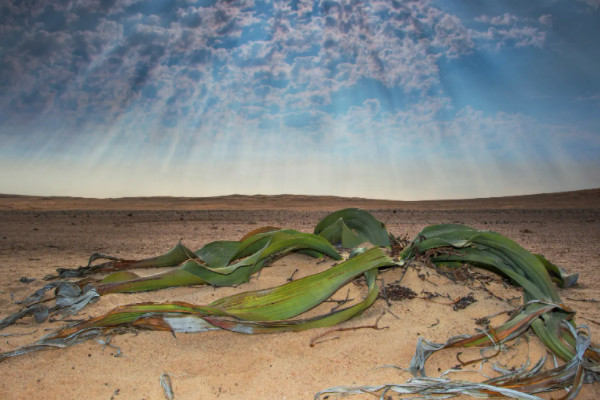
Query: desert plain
{"x":40,"y":234}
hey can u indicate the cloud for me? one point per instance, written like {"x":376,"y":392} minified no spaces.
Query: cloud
{"x":451,"y":34}
{"x":592,"y":3}
{"x":545,"y":19}
{"x":79,"y":67}
{"x":131,"y":59}
{"x":409,"y":154}
{"x":591,"y":97}
{"x":525,"y":36}
{"x":508,"y":29}
{"x":499,"y":20}
{"x":206,"y":80}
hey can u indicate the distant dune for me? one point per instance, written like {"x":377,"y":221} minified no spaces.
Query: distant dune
{"x":564,"y":200}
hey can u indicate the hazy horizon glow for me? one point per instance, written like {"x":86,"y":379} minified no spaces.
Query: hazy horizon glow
{"x":403,"y":100}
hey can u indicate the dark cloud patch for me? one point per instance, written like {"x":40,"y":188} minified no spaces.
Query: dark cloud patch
{"x":52,"y":20}
{"x":329,"y":6}
{"x":141,"y":74}
{"x":31,"y":101}
{"x":83,"y":49}
{"x":268,"y":78}
{"x":319,"y":99}
{"x":194,"y":75}
{"x":377,"y":62}
{"x":221,"y":17}
{"x":177,"y":106}
{"x":41,"y":45}
{"x":150,"y":91}
{"x":114,"y":62}
{"x":8,"y":73}
{"x":165,"y":10}
{"x":262,"y":91}
{"x":146,"y":35}
{"x":191,"y":20}
{"x":153,"y":52}
{"x":230,"y":28}
{"x":106,"y":5}
{"x":200,"y":56}
{"x":175,"y":58}
{"x":330,"y":43}
{"x":86,"y":21}
{"x":330,"y":22}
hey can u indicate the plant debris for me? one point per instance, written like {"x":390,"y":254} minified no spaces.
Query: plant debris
{"x":464,"y":302}
{"x":397,"y":292}
{"x":165,"y":382}
{"x":375,"y":326}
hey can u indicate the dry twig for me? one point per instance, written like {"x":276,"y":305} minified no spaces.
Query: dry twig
{"x":375,"y":326}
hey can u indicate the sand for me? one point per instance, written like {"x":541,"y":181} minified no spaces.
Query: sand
{"x":38,"y":235}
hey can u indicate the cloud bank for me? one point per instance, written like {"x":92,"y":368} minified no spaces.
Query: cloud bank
{"x":402,"y":99}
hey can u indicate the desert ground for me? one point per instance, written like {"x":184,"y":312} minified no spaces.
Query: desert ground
{"x":40,"y":234}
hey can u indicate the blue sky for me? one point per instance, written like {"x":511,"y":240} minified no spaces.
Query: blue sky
{"x":403,"y":100}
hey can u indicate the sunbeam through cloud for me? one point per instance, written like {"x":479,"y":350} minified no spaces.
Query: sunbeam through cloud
{"x":418,"y":99}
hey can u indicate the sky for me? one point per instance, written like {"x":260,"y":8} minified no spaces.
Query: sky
{"x":389,"y":99}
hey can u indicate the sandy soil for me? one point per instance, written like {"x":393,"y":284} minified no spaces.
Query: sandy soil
{"x":38,"y":235}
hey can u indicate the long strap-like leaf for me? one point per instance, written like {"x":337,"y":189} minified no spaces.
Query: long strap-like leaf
{"x":261,"y":311}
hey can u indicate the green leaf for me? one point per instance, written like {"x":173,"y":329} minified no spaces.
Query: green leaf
{"x":351,"y":227}
{"x":559,"y":275}
{"x":452,"y":245}
{"x":260,"y":311}
{"x":300,"y":295}
{"x":265,"y":247}
{"x":329,"y":319}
